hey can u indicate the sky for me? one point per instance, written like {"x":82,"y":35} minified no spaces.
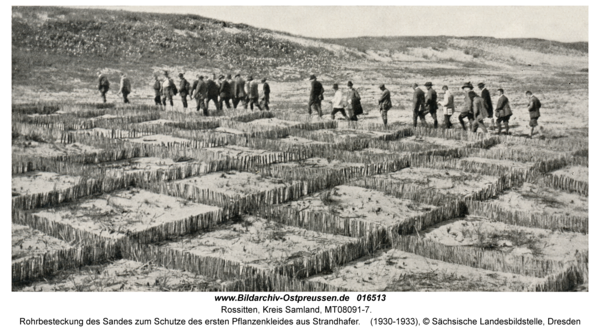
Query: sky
{"x":565,"y":24}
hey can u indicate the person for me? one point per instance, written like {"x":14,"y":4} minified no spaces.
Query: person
{"x":431,"y":104}
{"x":157,"y":88}
{"x":212,"y":94}
{"x":184,"y":90}
{"x":467,"y":110}
{"x":224,"y":92}
{"x":385,"y":103}
{"x":487,"y":99}
{"x":240,"y":93}
{"x":249,"y":79}
{"x":103,"y":85}
{"x":199,"y":93}
{"x":231,"y":89}
{"x":125,"y":87}
{"x":479,"y":113}
{"x":337,"y":103}
{"x":253,"y":96}
{"x":353,"y":102}
{"x":534,"y":113}
{"x":503,"y":111}
{"x":418,"y":105}
{"x":315,"y":96}
{"x":447,"y":106}
{"x":266,"y":93}
{"x":168,"y":90}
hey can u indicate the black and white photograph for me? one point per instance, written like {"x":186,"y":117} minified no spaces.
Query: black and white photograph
{"x":311,"y":150}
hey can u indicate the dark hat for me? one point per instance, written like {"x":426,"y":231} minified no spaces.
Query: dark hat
{"x":221,"y":77}
{"x":428,"y":84}
{"x":335,"y":85}
{"x":501,"y":90}
{"x":229,"y":76}
{"x":381,"y":85}
{"x":444,"y":87}
{"x":312,"y":77}
{"x":350,"y":84}
{"x":481,"y":84}
{"x":263,"y":80}
{"x":250,"y":77}
{"x":166,"y":72}
{"x":467,"y":85}
{"x":180,"y":74}
{"x":414,"y":85}
{"x":237,"y":75}
{"x":201,"y":77}
{"x":528,"y":92}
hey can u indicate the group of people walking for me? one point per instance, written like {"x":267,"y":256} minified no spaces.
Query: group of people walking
{"x":223,"y":91}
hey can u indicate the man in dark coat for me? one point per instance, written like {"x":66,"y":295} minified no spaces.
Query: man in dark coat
{"x":418,"y":105}
{"x":231,"y":89}
{"x":431,"y":104}
{"x":385,"y":103}
{"x":467,"y":110}
{"x":487,"y":101}
{"x":224,"y":92}
{"x":503,"y":111}
{"x":125,"y":87}
{"x":315,"y":96}
{"x":212,"y":93}
{"x":240,"y":93}
{"x":198,"y":93}
{"x":184,"y":90}
{"x":479,"y":113}
{"x":353,"y":102}
{"x":534,"y":113}
{"x":266,"y":91}
{"x":157,"y":87}
{"x":253,"y":94}
{"x":168,"y":89}
{"x":103,"y":85}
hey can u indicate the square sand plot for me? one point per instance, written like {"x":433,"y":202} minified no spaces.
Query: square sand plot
{"x":577,"y":172}
{"x":28,"y":242}
{"x":123,"y":275}
{"x":258,"y":242}
{"x":233,"y":183}
{"x":41,"y":182}
{"x":160,"y":139}
{"x":157,"y":122}
{"x":318,"y":163}
{"x":525,"y":149}
{"x":367,"y":205}
{"x":341,"y":135}
{"x":272,"y":122}
{"x":237,"y":151}
{"x":446,"y":181}
{"x":442,"y":142}
{"x":35,"y":149}
{"x":121,"y":213}
{"x":144,"y":164}
{"x":481,"y":232}
{"x":535,"y":199}
{"x":504,"y":163}
{"x":296,"y":140}
{"x":104,"y":132}
{"x":394,"y":270}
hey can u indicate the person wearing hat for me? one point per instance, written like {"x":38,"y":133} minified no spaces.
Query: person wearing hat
{"x":231,"y":89}
{"x":337,"y":103}
{"x":199,"y":92}
{"x":212,"y":94}
{"x":224,"y":92}
{"x":157,"y":90}
{"x":385,"y":103}
{"x":467,"y":110}
{"x":315,"y":96}
{"x":240,"y":93}
{"x":431,"y":104}
{"x":534,"y":113}
{"x":266,"y":93}
{"x":487,"y":99}
{"x":503,"y":111}
{"x":103,"y":85}
{"x":418,"y":105}
{"x":125,"y":87}
{"x":168,"y":90}
{"x":353,"y":102}
{"x":447,"y":106}
{"x":479,"y":113}
{"x":253,"y":94}
{"x":184,"y":90}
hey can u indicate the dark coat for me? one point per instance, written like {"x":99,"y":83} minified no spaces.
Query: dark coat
{"x":418,"y":101}
{"x":534,"y":107}
{"x":225,"y":89}
{"x":266,"y":89}
{"x":253,"y":92}
{"x":431,"y":104}
{"x":385,"y":101}
{"x":103,"y":83}
{"x":479,"y":111}
{"x":239,"y":88}
{"x":355,"y":107}
{"x":316,"y":92}
{"x":503,"y":107}
{"x":201,"y":90}
{"x":231,"y":88}
{"x":184,"y":87}
{"x":156,"y":86}
{"x":212,"y":87}
{"x":487,"y":102}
